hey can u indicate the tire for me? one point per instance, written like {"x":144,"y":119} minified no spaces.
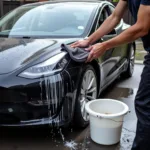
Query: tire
{"x":87,"y":91}
{"x":130,"y":68}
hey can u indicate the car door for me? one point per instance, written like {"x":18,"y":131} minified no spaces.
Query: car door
{"x":105,"y":61}
{"x":120,"y":52}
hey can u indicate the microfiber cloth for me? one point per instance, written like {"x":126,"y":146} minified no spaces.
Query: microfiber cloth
{"x":77,"y":54}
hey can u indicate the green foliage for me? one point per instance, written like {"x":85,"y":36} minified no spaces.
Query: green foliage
{"x":115,"y":1}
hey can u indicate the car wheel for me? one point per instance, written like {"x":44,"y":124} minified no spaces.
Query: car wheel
{"x":87,"y":91}
{"x":129,"y":72}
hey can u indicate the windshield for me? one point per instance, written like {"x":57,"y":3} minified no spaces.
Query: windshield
{"x":47,"y":20}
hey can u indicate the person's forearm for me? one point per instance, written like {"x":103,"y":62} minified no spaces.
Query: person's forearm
{"x":140,"y":29}
{"x":109,"y":24}
{"x":128,"y":36}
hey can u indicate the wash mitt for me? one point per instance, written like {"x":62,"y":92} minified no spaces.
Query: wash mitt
{"x":77,"y":54}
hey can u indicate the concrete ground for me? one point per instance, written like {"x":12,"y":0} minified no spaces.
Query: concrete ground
{"x":44,"y":138}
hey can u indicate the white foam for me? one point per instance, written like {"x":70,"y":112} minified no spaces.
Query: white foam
{"x":72,"y":145}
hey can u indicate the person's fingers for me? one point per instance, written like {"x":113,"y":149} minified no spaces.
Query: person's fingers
{"x":76,"y":44}
{"x":89,"y":48}
{"x":73,"y":45}
{"x":98,"y":53}
{"x":90,"y":57}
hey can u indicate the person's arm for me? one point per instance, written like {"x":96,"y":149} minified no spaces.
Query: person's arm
{"x":140,"y":29}
{"x":109,"y":24}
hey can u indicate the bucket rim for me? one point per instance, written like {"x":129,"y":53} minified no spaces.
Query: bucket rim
{"x":93,"y":113}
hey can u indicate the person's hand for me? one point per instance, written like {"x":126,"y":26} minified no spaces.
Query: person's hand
{"x":96,"y":51}
{"x":80,"y":43}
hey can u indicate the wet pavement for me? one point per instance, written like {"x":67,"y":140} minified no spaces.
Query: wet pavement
{"x":45,"y":138}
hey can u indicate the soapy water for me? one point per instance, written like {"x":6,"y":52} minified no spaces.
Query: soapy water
{"x":71,"y":145}
{"x":54,"y":89}
{"x":67,"y":143}
{"x":55,"y":92}
{"x":63,"y":138}
{"x":127,"y":139}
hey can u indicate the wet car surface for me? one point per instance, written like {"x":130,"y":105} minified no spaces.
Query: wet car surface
{"x":45,"y":138}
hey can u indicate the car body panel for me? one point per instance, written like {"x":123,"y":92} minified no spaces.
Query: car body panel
{"x":20,"y":52}
{"x":112,"y":59}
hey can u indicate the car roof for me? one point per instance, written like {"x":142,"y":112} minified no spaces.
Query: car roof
{"x":98,"y":2}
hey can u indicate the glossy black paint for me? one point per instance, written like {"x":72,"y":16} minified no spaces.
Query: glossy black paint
{"x":17,"y":93}
{"x":18,"y":96}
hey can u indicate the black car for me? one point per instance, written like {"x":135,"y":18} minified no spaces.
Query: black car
{"x":40,"y":83}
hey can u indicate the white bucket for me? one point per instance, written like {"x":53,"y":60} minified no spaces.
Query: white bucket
{"x":106,"y":118}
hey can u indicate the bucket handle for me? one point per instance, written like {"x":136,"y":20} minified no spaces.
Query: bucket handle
{"x":100,"y":117}
{"x":127,"y":112}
